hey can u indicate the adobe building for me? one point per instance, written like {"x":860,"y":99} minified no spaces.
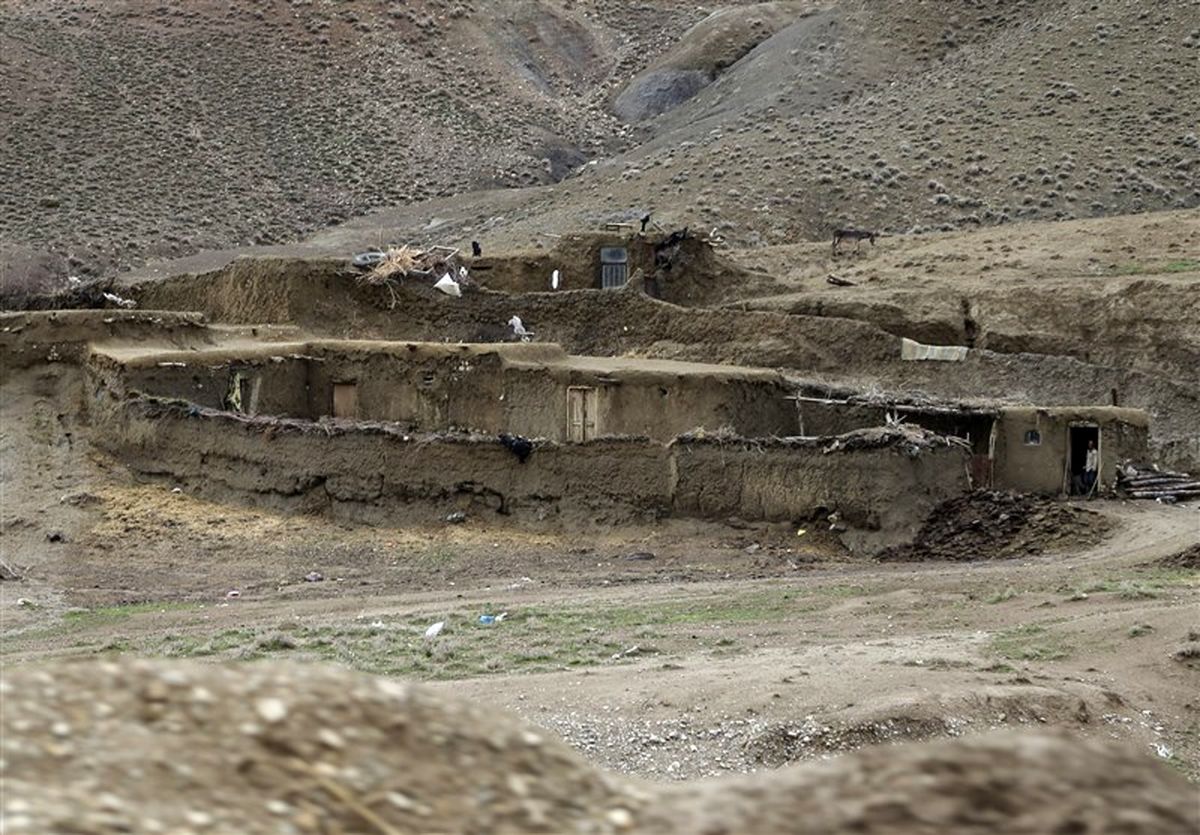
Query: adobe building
{"x":1024,"y":448}
{"x":678,"y":267}
{"x":535,"y":390}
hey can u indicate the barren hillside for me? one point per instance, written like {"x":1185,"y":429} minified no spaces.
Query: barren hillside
{"x":138,"y":130}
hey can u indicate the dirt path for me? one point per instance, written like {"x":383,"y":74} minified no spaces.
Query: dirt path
{"x":717,"y":653}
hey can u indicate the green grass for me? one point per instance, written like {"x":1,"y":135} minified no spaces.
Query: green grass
{"x":1031,"y":642}
{"x":1186,"y":265}
{"x":1139,"y":584}
{"x":537,"y":639}
{"x":85,"y":618}
{"x":1140,"y":629}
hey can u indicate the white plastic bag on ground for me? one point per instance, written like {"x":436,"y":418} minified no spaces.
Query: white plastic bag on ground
{"x":448,"y":286}
{"x":435,"y":630}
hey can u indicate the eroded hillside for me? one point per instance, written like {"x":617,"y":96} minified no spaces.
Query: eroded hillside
{"x":137,"y":131}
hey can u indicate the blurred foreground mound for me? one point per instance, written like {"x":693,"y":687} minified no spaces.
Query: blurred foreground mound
{"x":142,"y":747}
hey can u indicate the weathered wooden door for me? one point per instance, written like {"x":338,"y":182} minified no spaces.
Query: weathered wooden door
{"x":981,"y":471}
{"x":581,"y":413}
{"x":345,"y":400}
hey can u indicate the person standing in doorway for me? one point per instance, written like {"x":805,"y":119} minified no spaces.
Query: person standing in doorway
{"x":1091,"y":468}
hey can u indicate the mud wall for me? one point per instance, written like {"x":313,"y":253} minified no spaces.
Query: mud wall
{"x":659,"y":406}
{"x":31,"y":338}
{"x":1040,"y":468}
{"x":885,"y":491}
{"x":428,"y":392}
{"x":749,"y":408}
{"x":427,"y":387}
{"x":387,"y":477}
{"x":380,"y":475}
{"x":686,"y":272}
{"x":278,"y":386}
{"x":834,"y":418}
{"x":322,"y":299}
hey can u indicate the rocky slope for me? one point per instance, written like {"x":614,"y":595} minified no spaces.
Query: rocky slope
{"x":135,"y":131}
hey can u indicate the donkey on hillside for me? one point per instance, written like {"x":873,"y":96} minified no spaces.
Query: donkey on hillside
{"x":856,"y":235}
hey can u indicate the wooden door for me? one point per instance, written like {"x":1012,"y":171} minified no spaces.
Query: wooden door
{"x":581,"y":413}
{"x":981,"y":471}
{"x":345,"y":400}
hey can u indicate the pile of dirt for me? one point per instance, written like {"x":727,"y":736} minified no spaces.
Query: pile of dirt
{"x":989,"y":525}
{"x":1187,"y":558}
{"x":144,"y":747}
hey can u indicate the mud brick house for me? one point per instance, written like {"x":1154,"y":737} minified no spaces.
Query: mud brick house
{"x":1025,"y":448}
{"x":536,"y":390}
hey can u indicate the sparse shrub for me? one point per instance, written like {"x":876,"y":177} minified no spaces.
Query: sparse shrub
{"x":1135,"y":591}
{"x":1001,"y":596}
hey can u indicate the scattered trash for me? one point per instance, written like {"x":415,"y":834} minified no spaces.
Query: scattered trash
{"x":26,"y":603}
{"x":840,"y":282}
{"x":463,"y":275}
{"x":232,"y":593}
{"x":457,"y":517}
{"x":801,"y":532}
{"x":476,"y":249}
{"x":753,"y":548}
{"x":641,"y":556}
{"x":913,"y":350}
{"x":377,"y":624}
{"x":368,"y":260}
{"x":314,"y":577}
{"x":518,"y":329}
{"x":1163,"y":751}
{"x":176,"y":489}
{"x":633,"y":650}
{"x":555,"y":279}
{"x":518,"y":446}
{"x":118,"y":301}
{"x":7,"y":572}
{"x":55,"y":536}
{"x":487,"y":620}
{"x":435,"y":630}
{"x":448,"y":286}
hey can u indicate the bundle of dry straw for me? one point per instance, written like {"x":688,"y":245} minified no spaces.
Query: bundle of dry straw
{"x":396,"y":263}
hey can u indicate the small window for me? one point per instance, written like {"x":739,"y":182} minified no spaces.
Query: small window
{"x":614,"y":267}
{"x":1033,"y":438}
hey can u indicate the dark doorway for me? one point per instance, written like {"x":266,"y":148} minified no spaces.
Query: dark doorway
{"x":974,"y":428}
{"x":1079,"y":440}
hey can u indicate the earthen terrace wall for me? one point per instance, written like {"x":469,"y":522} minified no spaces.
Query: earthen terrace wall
{"x":378,"y":474}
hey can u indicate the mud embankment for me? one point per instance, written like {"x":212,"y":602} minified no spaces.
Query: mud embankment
{"x":881,"y":483}
{"x":322,"y":298}
{"x":1147,"y":325}
{"x":34,"y":338}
